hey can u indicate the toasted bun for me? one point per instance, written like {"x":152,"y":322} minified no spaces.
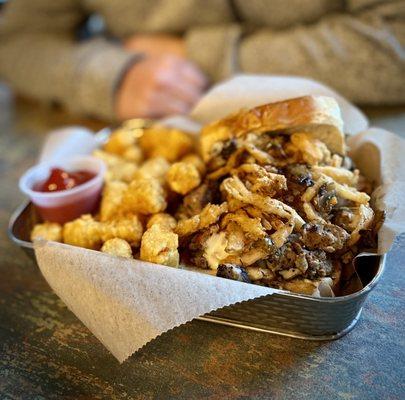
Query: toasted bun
{"x":318,"y":115}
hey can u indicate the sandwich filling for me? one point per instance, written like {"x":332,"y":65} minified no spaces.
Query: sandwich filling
{"x":277,"y":210}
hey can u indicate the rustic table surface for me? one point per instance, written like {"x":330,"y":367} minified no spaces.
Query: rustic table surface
{"x":46,"y":353}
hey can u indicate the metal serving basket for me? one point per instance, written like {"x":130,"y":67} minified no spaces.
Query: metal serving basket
{"x":282,"y":313}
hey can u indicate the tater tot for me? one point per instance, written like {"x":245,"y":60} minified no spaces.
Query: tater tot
{"x":48,"y":231}
{"x":109,"y":159}
{"x":111,"y":199}
{"x":117,"y":247}
{"x":144,"y":196}
{"x":119,"y":141}
{"x":117,"y":168}
{"x":163,"y":219}
{"x":83,"y":232}
{"x":160,"y":246}
{"x":125,"y":172}
{"x":171,"y":144}
{"x":156,"y":167}
{"x":183,"y":177}
{"x":133,"y":154}
{"x":196,"y":161}
{"x":128,"y":228}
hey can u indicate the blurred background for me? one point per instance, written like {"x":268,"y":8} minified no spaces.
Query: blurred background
{"x":110,"y":61}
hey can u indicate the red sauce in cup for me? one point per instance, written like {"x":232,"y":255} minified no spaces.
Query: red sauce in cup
{"x":60,"y":179}
{"x":70,"y":211}
{"x":61,"y":196}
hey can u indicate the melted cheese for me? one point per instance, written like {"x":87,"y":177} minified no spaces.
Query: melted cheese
{"x":215,"y":250}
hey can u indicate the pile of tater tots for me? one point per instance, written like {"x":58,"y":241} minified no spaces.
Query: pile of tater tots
{"x":149,"y":169}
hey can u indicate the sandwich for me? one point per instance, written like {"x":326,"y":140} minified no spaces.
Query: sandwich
{"x":282,"y":204}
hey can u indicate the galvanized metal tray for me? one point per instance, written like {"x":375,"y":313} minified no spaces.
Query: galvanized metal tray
{"x":282,"y":313}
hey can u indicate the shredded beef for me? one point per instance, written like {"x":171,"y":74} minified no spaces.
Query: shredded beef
{"x":325,"y":200}
{"x":199,"y":260}
{"x":293,"y":254}
{"x":327,"y":237}
{"x":229,"y":147}
{"x":318,"y":264}
{"x":299,"y":174}
{"x":274,"y":145}
{"x":232,"y":271}
{"x":197,"y":199}
{"x":343,"y":217}
{"x":299,"y":178}
{"x":225,"y":150}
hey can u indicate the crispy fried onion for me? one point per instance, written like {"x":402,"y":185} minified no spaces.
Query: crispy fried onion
{"x":231,"y":163}
{"x":208,"y":216}
{"x":258,"y":180}
{"x":312,"y":150}
{"x":279,"y":237}
{"x":251,"y":227}
{"x":340,"y":175}
{"x":347,"y":192}
{"x":260,"y":156}
{"x":235,"y":189}
{"x":342,"y":190}
{"x":363,"y":219}
{"x":308,"y":195}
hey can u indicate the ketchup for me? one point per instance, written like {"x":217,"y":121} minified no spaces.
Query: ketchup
{"x":62,"y":180}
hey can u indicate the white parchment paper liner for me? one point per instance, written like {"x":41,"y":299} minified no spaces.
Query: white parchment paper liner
{"x":127,"y":303}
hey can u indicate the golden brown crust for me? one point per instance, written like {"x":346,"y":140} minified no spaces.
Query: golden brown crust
{"x":160,"y":246}
{"x":117,"y":247}
{"x":47,"y":231}
{"x":318,"y":115}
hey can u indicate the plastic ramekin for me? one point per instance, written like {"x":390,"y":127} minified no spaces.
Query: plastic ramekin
{"x":65,"y":205}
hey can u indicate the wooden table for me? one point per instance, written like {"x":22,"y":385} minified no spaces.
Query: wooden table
{"x":46,"y":353}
